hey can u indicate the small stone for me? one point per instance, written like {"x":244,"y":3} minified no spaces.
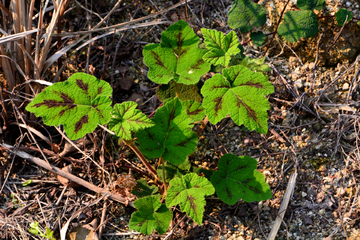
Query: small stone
{"x":303,"y":194}
{"x":322,"y":211}
{"x":345,"y":87}
{"x":298,"y":83}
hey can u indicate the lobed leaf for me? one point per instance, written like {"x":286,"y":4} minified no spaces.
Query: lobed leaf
{"x":182,"y":91}
{"x":310,"y":4}
{"x":239,"y":93}
{"x":258,"y":38}
{"x":299,"y":24}
{"x":127,"y":118}
{"x":79,"y":104}
{"x":341,"y":16}
{"x":220,"y":47}
{"x":152,"y":215}
{"x":194,"y":110}
{"x":245,"y":14}
{"x":177,"y":57}
{"x":189,"y":192}
{"x":237,"y":178}
{"x":171,"y":138}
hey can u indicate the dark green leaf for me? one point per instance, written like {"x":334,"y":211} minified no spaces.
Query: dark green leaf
{"x":171,"y":137}
{"x":341,"y":16}
{"x":152,"y":215}
{"x":310,"y":4}
{"x":237,"y":178}
{"x":245,"y":14}
{"x":142,"y":189}
{"x":258,"y":38}
{"x":198,"y":170}
{"x":172,"y":170}
{"x":298,"y":24}
{"x":182,"y":91}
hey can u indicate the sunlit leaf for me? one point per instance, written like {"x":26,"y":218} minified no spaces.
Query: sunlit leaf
{"x":239,"y":93}
{"x":127,"y":118}
{"x":189,"y":192}
{"x":79,"y":104}
{"x":220,"y":47}
{"x":177,"y":57}
{"x":194,"y":110}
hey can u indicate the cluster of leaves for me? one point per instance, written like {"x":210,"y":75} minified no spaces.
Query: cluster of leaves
{"x":238,"y":90}
{"x":246,"y":14}
{"x":35,"y":229}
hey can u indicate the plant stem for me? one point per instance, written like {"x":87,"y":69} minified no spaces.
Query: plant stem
{"x":141,"y":156}
{"x":276,"y":28}
{"x":163,"y":172}
{"x":202,"y":126}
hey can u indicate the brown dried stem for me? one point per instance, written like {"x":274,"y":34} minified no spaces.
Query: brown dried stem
{"x":68,"y":175}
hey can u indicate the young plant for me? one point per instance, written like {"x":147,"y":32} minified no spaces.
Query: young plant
{"x":35,"y":229}
{"x":83,"y":102}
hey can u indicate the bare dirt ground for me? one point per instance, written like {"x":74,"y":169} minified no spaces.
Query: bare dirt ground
{"x":313,"y":138}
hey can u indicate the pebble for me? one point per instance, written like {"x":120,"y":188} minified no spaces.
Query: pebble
{"x":345,"y":87}
{"x":298,"y":83}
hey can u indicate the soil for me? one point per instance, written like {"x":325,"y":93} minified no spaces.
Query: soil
{"x":313,"y":132}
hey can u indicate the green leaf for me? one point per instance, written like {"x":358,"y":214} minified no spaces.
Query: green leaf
{"x":182,"y":91}
{"x":142,"y":189}
{"x":152,"y":215}
{"x":245,"y":14}
{"x":341,"y":16}
{"x":220,"y":47}
{"x":80,"y":104}
{"x":27,"y":183}
{"x":237,"y":178}
{"x":189,"y":192}
{"x":198,"y":170}
{"x":127,"y":118}
{"x":239,"y":93}
{"x":258,"y":38}
{"x":298,"y":24}
{"x":177,"y":57}
{"x":194,"y":110}
{"x":254,"y":64}
{"x":310,"y":4}
{"x":34,"y":228}
{"x":171,"y":137}
{"x":172,"y":170}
